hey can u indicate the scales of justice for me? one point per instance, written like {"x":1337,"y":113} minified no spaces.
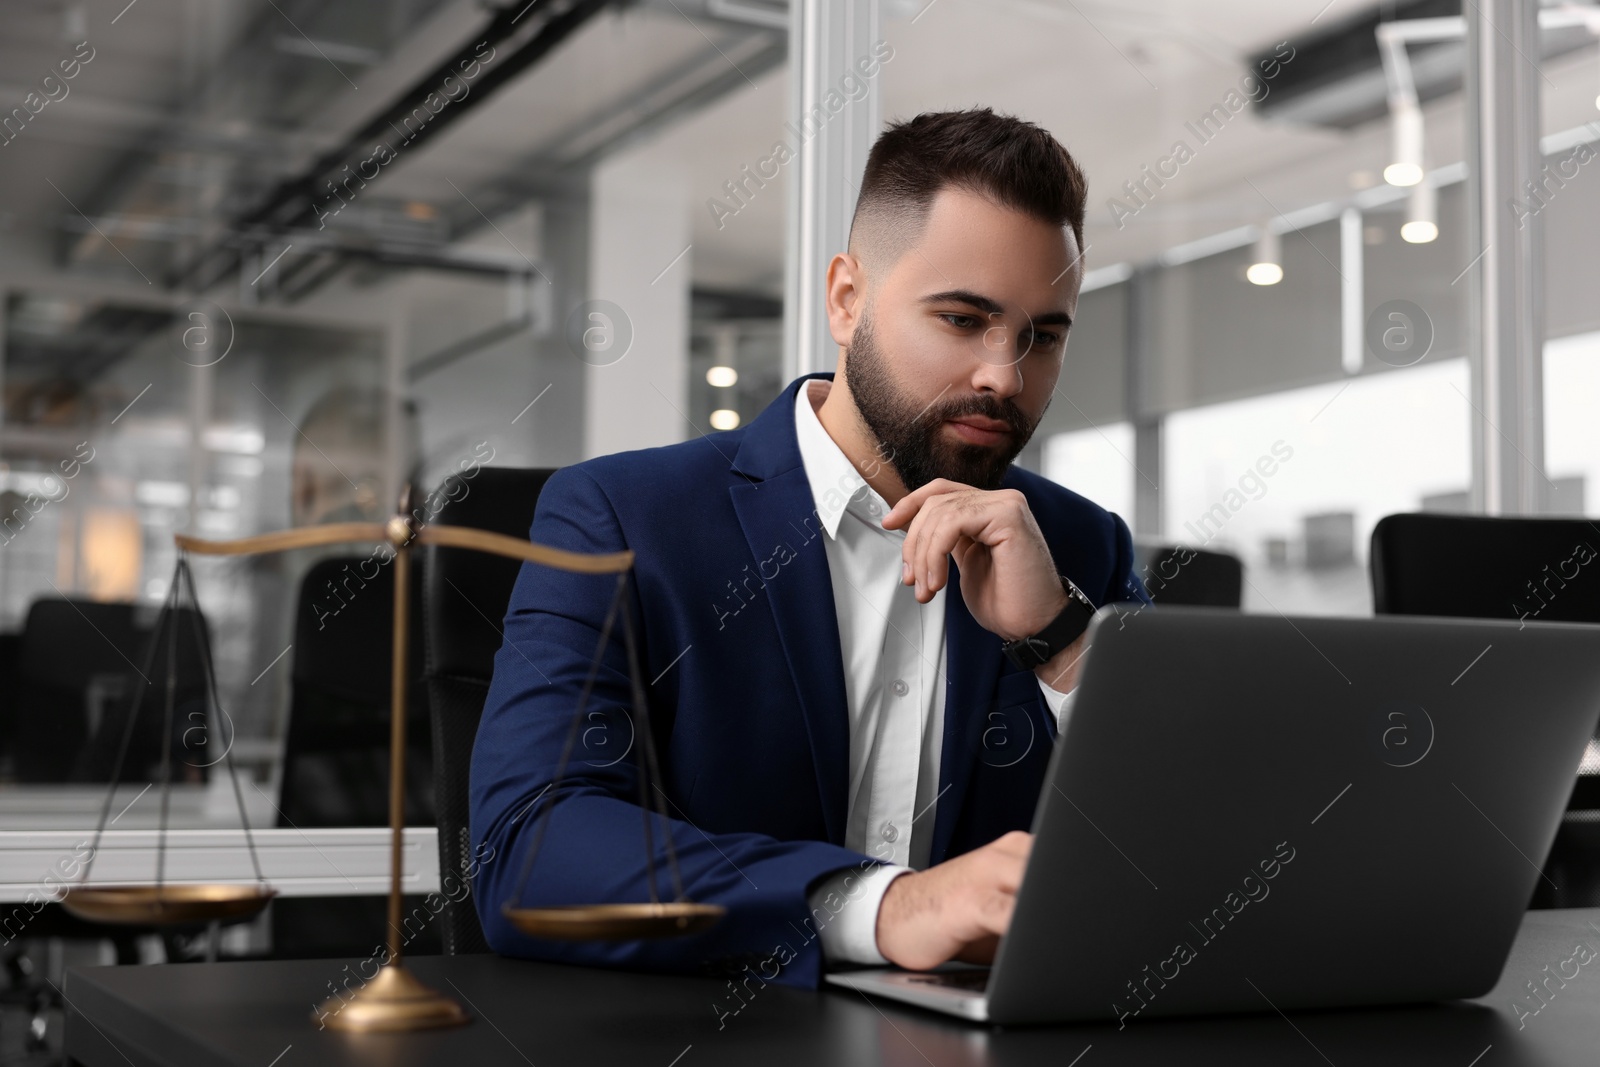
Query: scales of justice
{"x":395,"y":999}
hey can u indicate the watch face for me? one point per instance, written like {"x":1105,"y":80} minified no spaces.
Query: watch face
{"x":1029,"y":652}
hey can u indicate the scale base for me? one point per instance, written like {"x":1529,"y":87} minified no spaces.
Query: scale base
{"x":395,"y":1000}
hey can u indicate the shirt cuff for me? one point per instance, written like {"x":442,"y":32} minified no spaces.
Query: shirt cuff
{"x":1060,"y":704}
{"x":849,"y":930}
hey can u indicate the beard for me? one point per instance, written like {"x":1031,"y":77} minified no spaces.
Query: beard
{"x":910,"y":435}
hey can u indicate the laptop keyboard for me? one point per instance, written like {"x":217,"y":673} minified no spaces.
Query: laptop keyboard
{"x":975,"y":980}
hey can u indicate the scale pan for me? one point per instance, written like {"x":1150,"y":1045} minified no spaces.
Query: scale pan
{"x":615,"y":922}
{"x":149,"y":905}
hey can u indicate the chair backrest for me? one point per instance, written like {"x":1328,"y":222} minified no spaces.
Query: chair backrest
{"x":112,"y":696}
{"x":77,"y":662}
{"x":1488,"y":568}
{"x":336,"y":747}
{"x":65,"y":643}
{"x":1178,"y":575}
{"x":464,"y":600}
{"x":1483,"y":567}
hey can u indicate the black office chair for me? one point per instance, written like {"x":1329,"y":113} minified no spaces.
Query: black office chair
{"x":1173,"y":574}
{"x":464,"y":600}
{"x":336,"y":749}
{"x":77,"y":662}
{"x":1477,"y":567}
{"x":1472,"y":566}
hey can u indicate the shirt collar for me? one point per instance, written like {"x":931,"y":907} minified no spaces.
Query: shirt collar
{"x":836,"y":485}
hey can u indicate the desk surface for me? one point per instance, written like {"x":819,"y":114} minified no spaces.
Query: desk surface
{"x":259,"y":1015}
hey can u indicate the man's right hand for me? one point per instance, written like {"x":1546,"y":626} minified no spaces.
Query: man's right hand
{"x":956,"y":910}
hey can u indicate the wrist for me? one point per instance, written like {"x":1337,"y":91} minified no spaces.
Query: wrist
{"x":1065,"y":629}
{"x":1060,"y":672}
{"x":900,"y":901}
{"x":1047,"y":615}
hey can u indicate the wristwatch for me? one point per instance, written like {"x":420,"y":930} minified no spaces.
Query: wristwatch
{"x":1035,"y":651}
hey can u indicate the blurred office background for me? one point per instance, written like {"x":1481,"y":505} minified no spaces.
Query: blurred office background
{"x":263,"y":262}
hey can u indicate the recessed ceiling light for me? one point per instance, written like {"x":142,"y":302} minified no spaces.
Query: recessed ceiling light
{"x":724,"y":419}
{"x":722,"y":377}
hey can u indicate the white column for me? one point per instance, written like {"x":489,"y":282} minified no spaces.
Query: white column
{"x":1148,"y":519}
{"x":826,"y":40}
{"x":633,"y":330}
{"x":1352,"y":289}
{"x":1506,"y":310}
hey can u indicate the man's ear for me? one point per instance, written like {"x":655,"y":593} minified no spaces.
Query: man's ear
{"x":847,"y":293}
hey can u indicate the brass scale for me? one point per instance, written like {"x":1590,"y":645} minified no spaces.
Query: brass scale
{"x":394,"y":999}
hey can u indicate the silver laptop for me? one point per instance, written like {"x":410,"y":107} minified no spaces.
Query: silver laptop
{"x":1251,"y":812}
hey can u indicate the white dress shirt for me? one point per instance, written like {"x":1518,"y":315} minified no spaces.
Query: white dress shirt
{"x":893,"y":652}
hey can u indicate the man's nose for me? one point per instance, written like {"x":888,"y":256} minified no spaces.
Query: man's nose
{"x":999,"y":360}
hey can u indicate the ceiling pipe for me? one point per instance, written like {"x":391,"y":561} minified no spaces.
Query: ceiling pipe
{"x":516,"y":37}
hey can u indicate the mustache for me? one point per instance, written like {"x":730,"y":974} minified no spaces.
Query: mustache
{"x":990,"y":407}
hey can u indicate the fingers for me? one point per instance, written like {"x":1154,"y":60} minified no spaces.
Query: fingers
{"x":1017,"y":842}
{"x":1007,"y":861}
{"x":958,"y":516}
{"x":986,"y":919}
{"x":956,"y":910}
{"x":938,"y":528}
{"x":981,"y":951}
{"x":934,"y":534}
{"x":910,"y":504}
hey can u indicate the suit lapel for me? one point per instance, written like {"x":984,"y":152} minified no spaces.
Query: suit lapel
{"x":772,"y":498}
{"x":972,"y":670}
{"x":784,"y":535}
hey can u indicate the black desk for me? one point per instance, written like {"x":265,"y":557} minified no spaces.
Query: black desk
{"x":252,"y":1014}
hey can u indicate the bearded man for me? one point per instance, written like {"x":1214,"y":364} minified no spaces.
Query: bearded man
{"x":859,"y":624}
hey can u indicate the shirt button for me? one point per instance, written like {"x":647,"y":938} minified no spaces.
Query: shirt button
{"x":889,"y":832}
{"x":900,"y":688}
{"x":872,"y":507}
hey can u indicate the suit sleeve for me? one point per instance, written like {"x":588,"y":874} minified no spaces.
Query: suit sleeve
{"x":593,"y":845}
{"x":1125,"y":584}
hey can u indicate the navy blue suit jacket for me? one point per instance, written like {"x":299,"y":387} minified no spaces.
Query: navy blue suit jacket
{"x":732,"y":607}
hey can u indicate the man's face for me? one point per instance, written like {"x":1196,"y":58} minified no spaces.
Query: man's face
{"x":958,"y":344}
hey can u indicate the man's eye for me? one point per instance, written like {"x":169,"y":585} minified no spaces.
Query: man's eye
{"x":960,"y":322}
{"x":1046,"y":340}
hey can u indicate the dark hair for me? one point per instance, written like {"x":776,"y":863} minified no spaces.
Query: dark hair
{"x":1014,"y":162}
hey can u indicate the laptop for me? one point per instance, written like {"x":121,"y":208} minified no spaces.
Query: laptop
{"x":1259,"y":813}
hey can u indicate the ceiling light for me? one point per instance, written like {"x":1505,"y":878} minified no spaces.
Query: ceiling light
{"x":1266,"y":266}
{"x":1419,"y":233}
{"x":1406,"y":166}
{"x":722,"y":377}
{"x":1264,"y":273}
{"x":724,"y":419}
{"x":1422,"y":216}
{"x":1403,"y":174}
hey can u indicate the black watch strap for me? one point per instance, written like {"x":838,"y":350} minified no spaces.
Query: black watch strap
{"x":1030,"y":652}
